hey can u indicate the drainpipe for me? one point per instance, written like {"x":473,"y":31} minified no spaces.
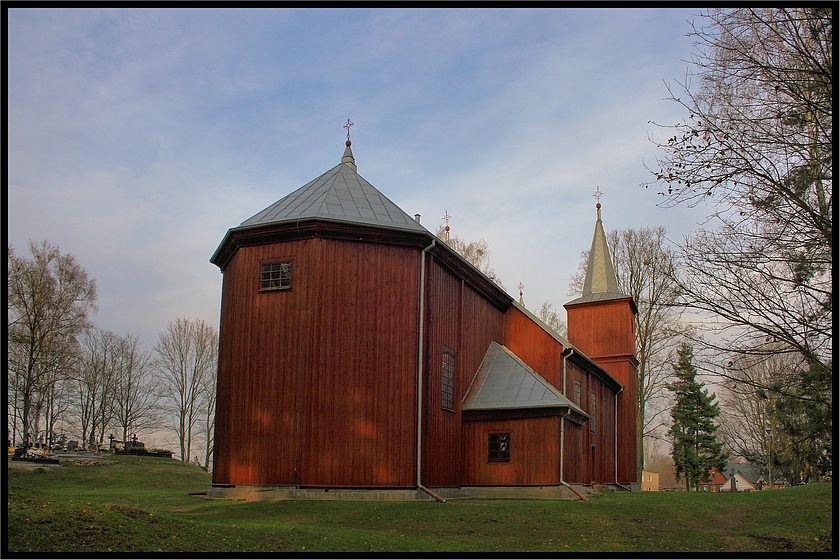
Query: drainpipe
{"x":563,"y":432}
{"x":563,"y":417}
{"x":563,"y":382}
{"x":615,"y":441}
{"x":562,"y":440}
{"x":562,"y":444}
{"x":422,"y":308}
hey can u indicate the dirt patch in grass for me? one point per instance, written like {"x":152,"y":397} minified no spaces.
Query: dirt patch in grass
{"x":30,"y":466}
{"x":774,"y":544}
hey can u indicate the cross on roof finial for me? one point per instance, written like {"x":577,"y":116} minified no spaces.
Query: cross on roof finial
{"x":520,"y":286}
{"x":446,"y":218}
{"x":598,"y":194}
{"x":347,"y":126}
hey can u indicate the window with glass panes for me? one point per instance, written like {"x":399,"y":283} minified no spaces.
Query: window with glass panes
{"x":276,"y":276}
{"x":498,"y":447}
{"x":447,"y":381}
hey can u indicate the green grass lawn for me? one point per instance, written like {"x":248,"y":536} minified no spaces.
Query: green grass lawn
{"x":141,"y":504}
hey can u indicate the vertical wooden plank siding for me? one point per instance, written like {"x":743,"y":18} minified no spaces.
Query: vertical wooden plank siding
{"x":533,"y":345}
{"x":575,"y":467}
{"x":577,"y":460}
{"x":441,"y":428}
{"x":317,"y":384}
{"x":609,"y":436}
{"x":534,"y":452}
{"x":582,"y":464}
{"x":625,"y":372}
{"x":462,"y":322}
{"x":604,"y":332}
{"x":602,"y":328}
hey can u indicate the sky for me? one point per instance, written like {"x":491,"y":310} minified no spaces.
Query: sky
{"x":138,"y":137}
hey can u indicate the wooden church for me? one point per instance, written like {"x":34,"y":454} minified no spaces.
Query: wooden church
{"x":357,"y":350}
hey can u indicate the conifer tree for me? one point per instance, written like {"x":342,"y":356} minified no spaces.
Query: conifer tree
{"x":693,"y":431}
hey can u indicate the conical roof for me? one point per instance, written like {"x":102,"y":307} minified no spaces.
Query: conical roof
{"x":340,"y":194}
{"x":601,"y":281}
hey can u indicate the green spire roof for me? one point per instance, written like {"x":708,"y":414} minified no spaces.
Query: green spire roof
{"x":601,"y":282}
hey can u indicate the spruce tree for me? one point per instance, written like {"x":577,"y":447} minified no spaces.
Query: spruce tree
{"x":693,"y":431}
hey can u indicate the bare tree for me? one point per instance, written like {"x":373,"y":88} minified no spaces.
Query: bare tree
{"x":550,"y":317}
{"x":475,"y":252}
{"x":56,"y":407}
{"x":186,"y":360}
{"x":136,"y":394}
{"x":95,"y":384}
{"x":757,"y":147}
{"x":749,"y":405}
{"x":664,"y":465}
{"x":50,"y":299}
{"x":645,"y":266}
{"x":209,"y":419}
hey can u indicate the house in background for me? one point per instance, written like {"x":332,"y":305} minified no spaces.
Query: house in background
{"x":650,"y":481}
{"x":714,"y":483}
{"x":357,"y":350}
{"x":737,"y":483}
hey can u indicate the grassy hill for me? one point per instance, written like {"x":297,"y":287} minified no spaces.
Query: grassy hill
{"x":142,"y":504}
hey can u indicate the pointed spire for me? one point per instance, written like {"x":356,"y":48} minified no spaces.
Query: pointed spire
{"x":521,"y":286}
{"x":348,"y":158}
{"x":601,"y":281}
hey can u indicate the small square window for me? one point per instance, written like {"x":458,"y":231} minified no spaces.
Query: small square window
{"x":499,"y":448}
{"x":276,"y":276}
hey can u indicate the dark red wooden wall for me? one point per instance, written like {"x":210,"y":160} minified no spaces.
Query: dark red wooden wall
{"x":534,"y":452}
{"x":589,"y":454}
{"x":317,"y":385}
{"x":533,"y":345}
{"x":604,"y":331}
{"x":462,"y":322}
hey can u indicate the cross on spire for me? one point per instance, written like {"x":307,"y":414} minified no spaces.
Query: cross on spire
{"x":521,"y":286}
{"x":446,"y":218}
{"x":598,"y":194}
{"x":347,"y":126}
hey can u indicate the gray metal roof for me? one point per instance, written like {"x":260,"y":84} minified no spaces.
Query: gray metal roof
{"x":504,"y":382}
{"x":340,"y":194}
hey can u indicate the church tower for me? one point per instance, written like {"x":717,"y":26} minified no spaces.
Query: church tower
{"x":600,"y":323}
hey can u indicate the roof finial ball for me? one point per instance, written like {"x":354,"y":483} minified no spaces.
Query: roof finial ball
{"x":347,"y":126}
{"x":446,"y":218}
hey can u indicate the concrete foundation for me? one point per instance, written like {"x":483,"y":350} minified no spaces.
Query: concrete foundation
{"x":274,"y":493}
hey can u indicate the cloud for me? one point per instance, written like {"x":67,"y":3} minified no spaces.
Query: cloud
{"x":138,"y":137}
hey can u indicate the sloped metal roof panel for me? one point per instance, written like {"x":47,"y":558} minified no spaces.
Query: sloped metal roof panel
{"x":340,"y":194}
{"x":505,"y":382}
